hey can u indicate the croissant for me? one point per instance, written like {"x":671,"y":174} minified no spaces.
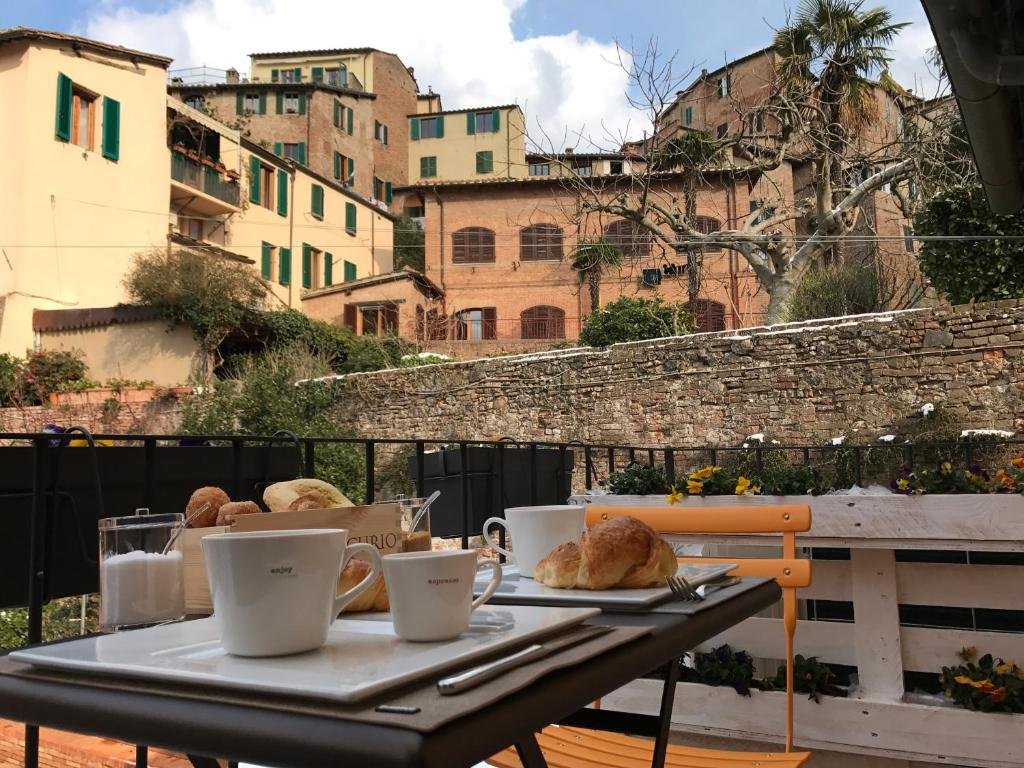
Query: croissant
{"x":620,"y":553}
{"x":374,"y":598}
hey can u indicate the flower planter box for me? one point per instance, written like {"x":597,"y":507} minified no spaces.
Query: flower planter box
{"x":100,"y":395}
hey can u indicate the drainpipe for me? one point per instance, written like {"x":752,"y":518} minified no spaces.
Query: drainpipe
{"x":508,"y":146}
{"x":373,"y":244}
{"x":291,"y":239}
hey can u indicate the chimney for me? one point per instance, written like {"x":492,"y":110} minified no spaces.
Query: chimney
{"x":412,"y":72}
{"x":231,"y":76}
{"x":568,"y":150}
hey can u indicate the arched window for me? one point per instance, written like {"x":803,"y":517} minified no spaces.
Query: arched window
{"x":710,"y":315}
{"x":473,"y":245}
{"x":706,"y":225}
{"x":542,"y":323}
{"x":632,"y":241}
{"x":540,"y":242}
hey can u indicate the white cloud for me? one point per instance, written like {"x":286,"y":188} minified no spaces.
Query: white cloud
{"x":464,"y":49}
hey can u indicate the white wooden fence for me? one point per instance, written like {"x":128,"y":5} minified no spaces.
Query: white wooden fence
{"x":880,"y":719}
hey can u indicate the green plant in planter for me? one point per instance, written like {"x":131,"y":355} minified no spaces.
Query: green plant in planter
{"x":790,"y":480}
{"x":991,"y":685}
{"x":943,"y":479}
{"x":723,"y":667}
{"x":638,"y":480}
{"x":810,"y":676}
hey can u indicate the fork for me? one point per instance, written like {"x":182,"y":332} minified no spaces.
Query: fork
{"x":681,"y":588}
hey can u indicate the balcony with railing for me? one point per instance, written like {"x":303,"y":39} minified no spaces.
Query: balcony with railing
{"x":202,"y":185}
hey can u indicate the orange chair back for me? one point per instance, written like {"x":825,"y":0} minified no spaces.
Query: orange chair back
{"x":789,"y":571}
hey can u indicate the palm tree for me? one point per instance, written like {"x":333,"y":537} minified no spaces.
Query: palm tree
{"x":590,"y":259}
{"x":830,"y":51}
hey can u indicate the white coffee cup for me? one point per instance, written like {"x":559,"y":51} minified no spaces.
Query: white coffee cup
{"x":431,"y":593}
{"x":536,"y":531}
{"x":275,"y":592}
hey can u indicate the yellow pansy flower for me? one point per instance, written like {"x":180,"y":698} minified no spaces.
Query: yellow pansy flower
{"x":1018,"y":462}
{"x":903,"y":483}
{"x":1007,"y":668}
{"x":963,"y":680}
{"x":704,"y":472}
{"x":694,"y":487}
{"x":945,"y":468}
{"x":742,"y":485}
{"x":675,"y":496}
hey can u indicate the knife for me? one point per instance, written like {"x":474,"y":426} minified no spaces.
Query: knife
{"x":474,"y":676}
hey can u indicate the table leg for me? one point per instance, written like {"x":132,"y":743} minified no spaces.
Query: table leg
{"x":668,"y":695}
{"x":529,"y":753}
{"x":31,"y":746}
{"x":203,"y":762}
{"x":141,"y":756}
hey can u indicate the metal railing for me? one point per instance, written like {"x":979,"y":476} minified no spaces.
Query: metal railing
{"x":204,"y":178}
{"x":202,"y":76}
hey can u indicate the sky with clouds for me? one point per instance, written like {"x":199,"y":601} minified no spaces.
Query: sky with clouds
{"x":557,"y":58}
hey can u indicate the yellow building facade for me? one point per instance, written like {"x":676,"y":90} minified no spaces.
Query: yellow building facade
{"x":486,"y":142}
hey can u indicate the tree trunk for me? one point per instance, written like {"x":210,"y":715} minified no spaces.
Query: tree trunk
{"x":779,"y":291}
{"x":594,"y":284}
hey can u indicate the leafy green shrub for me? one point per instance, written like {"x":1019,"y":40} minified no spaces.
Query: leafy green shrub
{"x":410,"y":248}
{"x":810,"y":676}
{"x":61,"y":620}
{"x":835,"y":291}
{"x":51,"y":371}
{"x":629,"y":319}
{"x":10,"y":379}
{"x":638,"y":480}
{"x":979,"y":270}
{"x":991,"y":685}
{"x":723,"y":667}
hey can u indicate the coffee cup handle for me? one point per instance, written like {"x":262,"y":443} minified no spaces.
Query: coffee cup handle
{"x":492,"y":586}
{"x":340,"y":601}
{"x":497,"y":521}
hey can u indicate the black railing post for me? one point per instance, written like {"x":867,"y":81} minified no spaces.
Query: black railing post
{"x":149,"y":471}
{"x":464,"y":487}
{"x":587,"y":467}
{"x":236,"y":468}
{"x":499,"y":508}
{"x":650,"y":457}
{"x":370,"y":474}
{"x":309,"y":460}
{"x":670,"y":466}
{"x":421,"y":482}
{"x":36,"y":574}
{"x":563,"y":491}
{"x":533,"y":474}
{"x":611,"y":460}
{"x":856,"y":465}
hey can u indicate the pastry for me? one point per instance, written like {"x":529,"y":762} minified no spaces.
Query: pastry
{"x":233,"y":509}
{"x":213,"y":499}
{"x":279,"y":496}
{"x":308,"y":501}
{"x":620,"y":553}
{"x":374,"y":598}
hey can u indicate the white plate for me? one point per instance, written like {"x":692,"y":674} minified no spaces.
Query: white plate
{"x":516,"y":589}
{"x":361,"y":658}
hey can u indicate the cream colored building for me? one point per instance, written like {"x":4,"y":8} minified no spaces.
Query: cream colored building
{"x":84,"y":178}
{"x":481,"y":143}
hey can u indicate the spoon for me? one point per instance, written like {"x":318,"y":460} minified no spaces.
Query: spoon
{"x":183,"y":526}
{"x":423,"y":510}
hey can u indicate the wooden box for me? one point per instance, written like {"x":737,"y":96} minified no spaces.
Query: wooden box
{"x":377,"y":524}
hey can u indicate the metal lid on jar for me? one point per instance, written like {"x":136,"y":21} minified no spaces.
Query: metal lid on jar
{"x":168,"y":520}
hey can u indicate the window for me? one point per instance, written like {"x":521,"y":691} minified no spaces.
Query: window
{"x":344,"y":118}
{"x":284,"y":266}
{"x":583,"y":168}
{"x":312,"y":261}
{"x":688,"y":116}
{"x":344,"y":168}
{"x":380,"y":321}
{"x":473,"y":245}
{"x":426,"y":128}
{"x":485,"y":162}
{"x":378,"y":188}
{"x":540,"y":169}
{"x":332,"y":77}
{"x":724,"y":85}
{"x":630,"y":240}
{"x":722,"y":130}
{"x":542,"y":323}
{"x":290,"y":151}
{"x":268,"y":260}
{"x":540,"y":242}
{"x":476,"y":324}
{"x":615,"y":167}
{"x":288,"y":76}
{"x":755,"y":122}
{"x":483,"y":122}
{"x":266,"y":186}
{"x":251,"y":102}
{"x":428,"y":167}
{"x":317,"y":201}
{"x":198,"y":102}
{"x":291,"y":103}
{"x":908,"y":238}
{"x":85,"y":119}
{"x":76,"y":114}
{"x":316,"y":74}
{"x":706,"y":225}
{"x":380,"y":132}
{"x":350,"y":218}
{"x":710,"y":315}
{"x":191,"y":227}
{"x":349,"y":271}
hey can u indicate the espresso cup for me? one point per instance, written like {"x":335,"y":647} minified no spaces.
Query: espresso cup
{"x":536,"y":531}
{"x":275,"y":592}
{"x":431,"y":593}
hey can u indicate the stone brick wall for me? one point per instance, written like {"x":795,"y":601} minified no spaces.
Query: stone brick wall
{"x":797,"y":382}
{"x":159,"y":417}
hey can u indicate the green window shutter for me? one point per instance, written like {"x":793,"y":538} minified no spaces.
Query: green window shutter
{"x":496,"y":119}
{"x":337,"y":114}
{"x":265,"y":258}
{"x":350,"y":271}
{"x":279,"y":102}
{"x":351,"y":170}
{"x":433,"y":166}
{"x":298,"y":74}
{"x":328,"y":269}
{"x":318,"y":74}
{"x":348,"y":120}
{"x":302,"y":153}
{"x":282,"y":193}
{"x":424,"y":167}
{"x":239,"y":103}
{"x":274,"y":76}
{"x":484,"y":162}
{"x":307,"y":266}
{"x":111,"y":128}
{"x":278,"y":149}
{"x":342,"y":75}
{"x":302,"y":103}
{"x":440,"y":126}
{"x":254,"y":179}
{"x":65,"y":101}
{"x":388,"y":196}
{"x":337,"y":165}
{"x":470,"y":123}
{"x":318,"y":201}
{"x":414,"y":128}
{"x":284,"y":266}
{"x":263,"y":103}
{"x":350,"y":218}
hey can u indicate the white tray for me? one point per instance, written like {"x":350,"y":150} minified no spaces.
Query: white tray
{"x":361,"y":658}
{"x":516,"y":589}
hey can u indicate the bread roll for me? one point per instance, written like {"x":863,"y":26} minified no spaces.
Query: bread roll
{"x":234,"y":509}
{"x":213,"y":498}
{"x":279,"y":496}
{"x":375,"y":598}
{"x":620,"y":553}
{"x":309,"y":501}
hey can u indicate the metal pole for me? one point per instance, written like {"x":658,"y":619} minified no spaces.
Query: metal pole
{"x":464,"y":486}
{"x":369,"y":449}
{"x":421,"y":482}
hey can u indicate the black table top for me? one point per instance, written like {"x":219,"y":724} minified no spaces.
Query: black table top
{"x":299,"y":740}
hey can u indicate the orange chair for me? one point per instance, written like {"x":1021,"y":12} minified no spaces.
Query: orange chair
{"x":566,"y":747}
